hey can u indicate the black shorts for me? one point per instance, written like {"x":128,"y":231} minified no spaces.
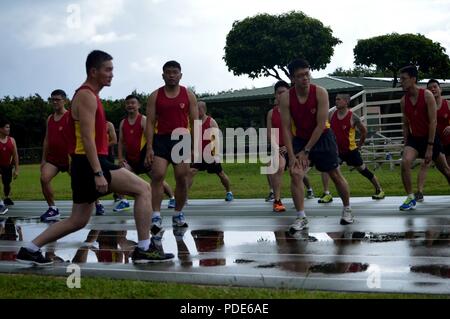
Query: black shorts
{"x":324,"y":155}
{"x":420,"y":144}
{"x":83,"y":179}
{"x":213,"y":168}
{"x":60,"y":168}
{"x":6,"y":172}
{"x":111,"y":157}
{"x":139,"y":167}
{"x":163,"y":145}
{"x":352,"y":158}
{"x":445,"y":149}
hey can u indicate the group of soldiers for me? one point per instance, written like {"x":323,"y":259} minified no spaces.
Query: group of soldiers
{"x":308,"y":135}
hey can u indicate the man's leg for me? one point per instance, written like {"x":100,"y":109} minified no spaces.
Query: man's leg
{"x":442,"y":166}
{"x":191,"y":175}
{"x":277,"y":178}
{"x":159,"y":170}
{"x":421,"y":177}
{"x":364,"y":171}
{"x":181,"y":172}
{"x":225,"y":181}
{"x":298,"y":195}
{"x":168,"y":190}
{"x":6,"y":180}
{"x":81,"y":213}
{"x":271,"y":195}
{"x":344,"y":193}
{"x":127,"y":183}
{"x":297,"y":189}
{"x":326,"y":195}
{"x":341,"y":185}
{"x":48,"y":172}
{"x":408,"y":158}
{"x":276,"y":183}
{"x":3,"y":207}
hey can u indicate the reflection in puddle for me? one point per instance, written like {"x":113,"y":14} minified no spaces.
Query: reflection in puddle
{"x":442,"y":271}
{"x":325,"y":268}
{"x":200,"y":247}
{"x":209,"y":241}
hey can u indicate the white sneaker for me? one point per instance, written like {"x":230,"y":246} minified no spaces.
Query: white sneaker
{"x":3,"y":209}
{"x":347,"y":217}
{"x":300,"y":223}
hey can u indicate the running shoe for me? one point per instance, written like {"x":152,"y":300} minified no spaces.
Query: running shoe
{"x":122,"y":206}
{"x":99,"y":210}
{"x":8,"y":201}
{"x":379,"y":195}
{"x":270,"y":197}
{"x":50,"y":215}
{"x":26,"y":257}
{"x":278,"y":206}
{"x":419,"y":197}
{"x":325,"y":199}
{"x":347,"y":217}
{"x":408,"y":204}
{"x":310,"y":194}
{"x":171,"y":203}
{"x":300,"y":223}
{"x":3,"y":209}
{"x":229,"y":197}
{"x":179,"y":221}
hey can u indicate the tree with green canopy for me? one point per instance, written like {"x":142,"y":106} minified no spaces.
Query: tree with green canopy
{"x":263,"y":45}
{"x":391,"y":52}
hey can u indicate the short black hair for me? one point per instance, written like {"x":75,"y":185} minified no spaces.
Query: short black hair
{"x":132,"y":96}
{"x":411,"y":70}
{"x":434,"y":81}
{"x":172,"y":64}
{"x":298,"y":64}
{"x":95,"y":59}
{"x":3,"y":122}
{"x":280,"y":84}
{"x":59,"y":92}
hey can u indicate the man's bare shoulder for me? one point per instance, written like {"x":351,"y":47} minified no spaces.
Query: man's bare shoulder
{"x":82,"y":97}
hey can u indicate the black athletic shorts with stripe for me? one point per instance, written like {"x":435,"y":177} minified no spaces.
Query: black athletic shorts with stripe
{"x":324,"y":154}
{"x":83,"y":179}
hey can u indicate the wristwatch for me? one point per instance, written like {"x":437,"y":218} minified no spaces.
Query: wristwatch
{"x":99,"y":173}
{"x":306,"y":151}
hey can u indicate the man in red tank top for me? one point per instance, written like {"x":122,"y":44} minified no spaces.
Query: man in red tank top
{"x":9,"y":158}
{"x":419,"y":131}
{"x":55,"y":154}
{"x":171,"y":107}
{"x":344,"y":124}
{"x":305,"y":109}
{"x":93,"y":175}
{"x":133,"y":145}
{"x":442,"y":130}
{"x":273,"y":120}
{"x":211,"y":168}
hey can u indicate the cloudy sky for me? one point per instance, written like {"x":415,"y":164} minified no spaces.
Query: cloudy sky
{"x":45,"y":43}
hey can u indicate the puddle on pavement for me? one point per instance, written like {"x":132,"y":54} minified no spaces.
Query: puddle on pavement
{"x":324,"y":268}
{"x":203,"y":247}
{"x":442,"y":271}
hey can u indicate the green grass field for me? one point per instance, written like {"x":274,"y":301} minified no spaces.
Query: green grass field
{"x":29,"y":286}
{"x":246,"y":181}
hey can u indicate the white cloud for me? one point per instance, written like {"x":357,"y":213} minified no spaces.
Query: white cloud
{"x":148,"y":64}
{"x":80,"y":23}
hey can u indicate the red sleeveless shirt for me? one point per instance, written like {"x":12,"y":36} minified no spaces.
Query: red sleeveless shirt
{"x":100,"y":133}
{"x":417,"y":115}
{"x":58,"y":152}
{"x":304,"y":115}
{"x":134,"y":139}
{"x":172,"y":113}
{"x":443,"y":120}
{"x":6,"y":152}
{"x":344,"y":132}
